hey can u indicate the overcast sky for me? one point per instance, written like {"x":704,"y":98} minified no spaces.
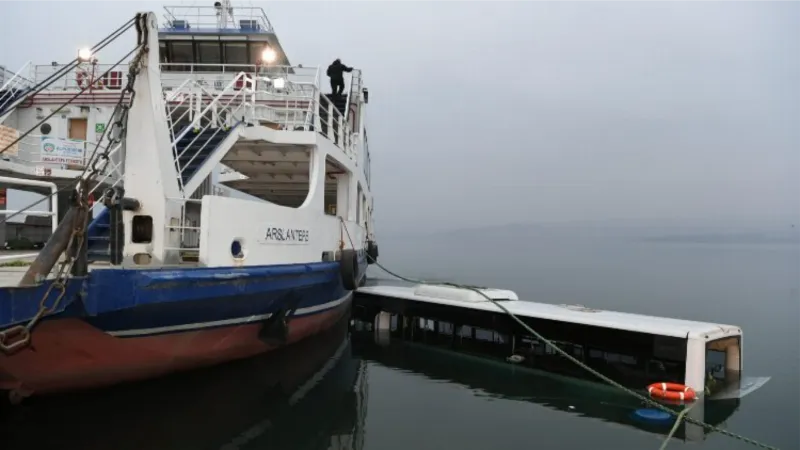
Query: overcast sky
{"x":491,"y":112}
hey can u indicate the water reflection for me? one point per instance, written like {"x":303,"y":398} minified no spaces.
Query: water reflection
{"x":504,"y":381}
{"x":307,"y":396}
{"x":312,"y":395}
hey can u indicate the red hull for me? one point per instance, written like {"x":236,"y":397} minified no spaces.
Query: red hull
{"x":69,"y":354}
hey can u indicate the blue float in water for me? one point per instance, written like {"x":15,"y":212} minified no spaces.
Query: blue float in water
{"x":652,"y":415}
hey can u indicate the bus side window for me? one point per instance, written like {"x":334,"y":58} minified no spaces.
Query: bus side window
{"x":655,"y":367}
{"x":715,"y":364}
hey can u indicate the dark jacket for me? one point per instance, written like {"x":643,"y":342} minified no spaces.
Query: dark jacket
{"x":337,"y":69}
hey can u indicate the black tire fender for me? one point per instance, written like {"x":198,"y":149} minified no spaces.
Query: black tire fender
{"x":348,"y":267}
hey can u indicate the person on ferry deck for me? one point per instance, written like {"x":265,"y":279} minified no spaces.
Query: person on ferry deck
{"x":336,"y":73}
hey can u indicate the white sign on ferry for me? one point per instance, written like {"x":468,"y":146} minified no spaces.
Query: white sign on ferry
{"x":62,"y":151}
{"x":288,"y":236}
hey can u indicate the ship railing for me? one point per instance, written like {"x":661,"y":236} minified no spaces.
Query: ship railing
{"x":285,"y":98}
{"x":289,"y":80}
{"x":85,"y":74}
{"x":303,"y":113}
{"x":184,"y":103}
{"x":335,"y":125}
{"x":18,"y":78}
{"x":219,"y":113}
{"x":12,"y":85}
{"x":48,"y":152}
{"x":240,"y":19}
{"x":52,"y":213}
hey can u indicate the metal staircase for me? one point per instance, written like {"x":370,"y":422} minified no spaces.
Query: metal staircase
{"x":14,"y":89}
{"x":204,"y":126}
{"x":195,"y":148}
{"x":99,"y":237}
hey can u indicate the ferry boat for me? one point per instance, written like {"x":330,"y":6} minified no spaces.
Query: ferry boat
{"x":168,"y":270}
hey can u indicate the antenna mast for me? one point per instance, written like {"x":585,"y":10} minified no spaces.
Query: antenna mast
{"x":224,"y":13}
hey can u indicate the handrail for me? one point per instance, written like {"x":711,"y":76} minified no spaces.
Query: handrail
{"x":12,"y":88}
{"x":346,"y":111}
{"x":215,"y":103}
{"x":76,"y":76}
{"x":53,"y":213}
{"x":211,"y":104}
{"x":191,"y":97}
{"x":206,"y":16}
{"x":299,"y":105}
{"x":16,"y":76}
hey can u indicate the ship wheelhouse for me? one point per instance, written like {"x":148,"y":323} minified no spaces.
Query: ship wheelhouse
{"x":191,"y":41}
{"x":205,"y":41}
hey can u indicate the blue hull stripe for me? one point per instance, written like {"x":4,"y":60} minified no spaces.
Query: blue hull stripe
{"x":124,"y":301}
{"x":112,"y":290}
{"x":301,"y":312}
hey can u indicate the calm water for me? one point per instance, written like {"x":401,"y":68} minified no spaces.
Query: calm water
{"x":338,"y":391}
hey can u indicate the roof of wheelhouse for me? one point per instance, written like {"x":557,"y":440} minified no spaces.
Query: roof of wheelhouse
{"x":222,"y":23}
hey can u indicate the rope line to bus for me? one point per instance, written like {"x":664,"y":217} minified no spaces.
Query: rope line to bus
{"x":580,"y":364}
{"x":678,"y":421}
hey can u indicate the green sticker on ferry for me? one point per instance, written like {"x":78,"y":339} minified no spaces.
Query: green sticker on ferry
{"x":99,"y":127}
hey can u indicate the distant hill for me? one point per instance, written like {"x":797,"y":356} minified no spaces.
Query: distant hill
{"x":734,"y":238}
{"x":646,"y":232}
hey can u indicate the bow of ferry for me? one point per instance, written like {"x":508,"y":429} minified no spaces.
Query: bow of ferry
{"x":233,"y":212}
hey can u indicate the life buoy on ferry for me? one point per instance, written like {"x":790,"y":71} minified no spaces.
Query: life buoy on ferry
{"x":671,"y":391}
{"x":82,"y":78}
{"x":348,"y":267}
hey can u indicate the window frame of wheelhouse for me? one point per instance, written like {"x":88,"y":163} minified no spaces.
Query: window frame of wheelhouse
{"x":632,"y":358}
{"x":200,"y":63}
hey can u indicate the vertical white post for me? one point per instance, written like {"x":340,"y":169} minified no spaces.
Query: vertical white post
{"x":383,"y":328}
{"x":695,"y":374}
{"x":316,"y":181}
{"x":343,"y":195}
{"x":150,"y":174}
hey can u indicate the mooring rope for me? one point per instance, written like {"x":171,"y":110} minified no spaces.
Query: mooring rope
{"x":678,"y":421}
{"x":580,"y":364}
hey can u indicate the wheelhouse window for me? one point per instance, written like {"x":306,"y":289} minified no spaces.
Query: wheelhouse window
{"x":235,"y":55}
{"x":193,"y":55}
{"x":163,"y":53}
{"x":256,"y":53}
{"x":179,"y":52}
{"x":209,"y":56}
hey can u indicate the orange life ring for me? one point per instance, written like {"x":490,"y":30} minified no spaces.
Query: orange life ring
{"x":672,"y":391}
{"x":82,"y":78}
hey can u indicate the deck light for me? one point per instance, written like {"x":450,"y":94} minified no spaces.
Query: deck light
{"x":268,"y":55}
{"x":85,"y":54}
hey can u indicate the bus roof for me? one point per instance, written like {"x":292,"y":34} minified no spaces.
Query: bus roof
{"x":579,"y":314}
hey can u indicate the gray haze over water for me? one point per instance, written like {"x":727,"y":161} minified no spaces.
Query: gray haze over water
{"x":487,"y":113}
{"x":750,"y":284}
{"x":415,"y":398}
